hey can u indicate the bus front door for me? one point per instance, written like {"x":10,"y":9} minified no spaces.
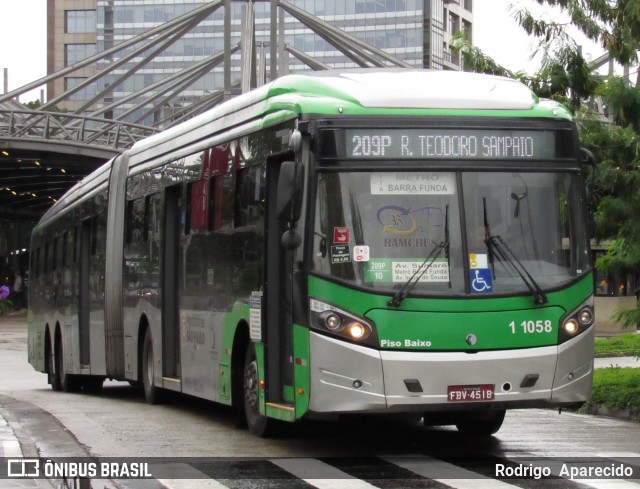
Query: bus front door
{"x":278,"y":299}
{"x":169,"y":285}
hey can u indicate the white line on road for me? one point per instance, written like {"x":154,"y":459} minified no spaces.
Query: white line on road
{"x":320,"y":474}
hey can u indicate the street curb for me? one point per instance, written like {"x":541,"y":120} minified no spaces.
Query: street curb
{"x":28,"y":423}
{"x":602,"y":410}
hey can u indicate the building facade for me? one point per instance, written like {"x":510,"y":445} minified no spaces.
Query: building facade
{"x":415,"y":31}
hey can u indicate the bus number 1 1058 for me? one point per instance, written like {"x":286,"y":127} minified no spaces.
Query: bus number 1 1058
{"x":530,"y":327}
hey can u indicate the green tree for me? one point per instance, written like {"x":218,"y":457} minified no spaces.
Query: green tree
{"x":565,"y":75}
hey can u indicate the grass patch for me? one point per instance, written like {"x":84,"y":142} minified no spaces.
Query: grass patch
{"x":627,"y":344}
{"x":617,"y":388}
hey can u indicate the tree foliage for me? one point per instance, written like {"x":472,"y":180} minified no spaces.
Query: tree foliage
{"x":613,"y":136}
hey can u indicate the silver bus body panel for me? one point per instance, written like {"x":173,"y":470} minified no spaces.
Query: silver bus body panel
{"x":340,"y":367}
{"x":113,"y":269}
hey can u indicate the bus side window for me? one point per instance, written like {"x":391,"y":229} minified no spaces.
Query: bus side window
{"x":56,"y":253}
{"x":248,"y":198}
{"x":136,"y":213}
{"x":35,"y":269}
{"x":145,"y":223}
{"x":74,"y":248}
{"x":215,"y":202}
{"x":186,"y":210}
{"x":65,"y":246}
{"x":129,"y":223}
{"x":47,"y":259}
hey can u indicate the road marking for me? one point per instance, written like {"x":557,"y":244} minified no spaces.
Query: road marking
{"x":320,"y":474}
{"x":184,"y":476}
{"x":11,"y":449}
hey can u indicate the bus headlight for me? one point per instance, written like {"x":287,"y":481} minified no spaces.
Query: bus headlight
{"x":331,"y":320}
{"x":336,"y":322}
{"x":577,"y":321}
{"x":570,"y":327}
{"x":358,"y":331}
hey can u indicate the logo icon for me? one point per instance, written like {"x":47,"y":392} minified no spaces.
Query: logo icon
{"x":471,"y":339}
{"x":23,"y":467}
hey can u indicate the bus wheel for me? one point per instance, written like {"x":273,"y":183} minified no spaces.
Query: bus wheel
{"x":481,"y":423}
{"x":152,"y":394}
{"x":258,"y":424}
{"x":68,"y":382}
{"x":52,"y":370}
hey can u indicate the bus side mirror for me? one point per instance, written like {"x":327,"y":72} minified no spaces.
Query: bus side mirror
{"x":289,"y":200}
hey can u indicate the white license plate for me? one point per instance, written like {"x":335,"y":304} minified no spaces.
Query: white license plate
{"x":470,"y":393}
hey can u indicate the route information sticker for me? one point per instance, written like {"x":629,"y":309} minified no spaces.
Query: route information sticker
{"x":400,"y":270}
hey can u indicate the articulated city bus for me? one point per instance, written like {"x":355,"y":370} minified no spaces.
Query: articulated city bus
{"x":372,"y":241}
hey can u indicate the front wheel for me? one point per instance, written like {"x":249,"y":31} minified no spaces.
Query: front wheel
{"x":481,"y":423}
{"x":258,"y":424}
{"x":52,"y":369}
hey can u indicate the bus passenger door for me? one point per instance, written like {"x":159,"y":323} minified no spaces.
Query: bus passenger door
{"x":169,"y":284}
{"x":278,"y":334}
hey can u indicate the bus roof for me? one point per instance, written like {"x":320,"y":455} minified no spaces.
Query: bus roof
{"x":364,"y":92}
{"x":369,"y":92}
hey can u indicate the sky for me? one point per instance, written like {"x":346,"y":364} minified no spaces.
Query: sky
{"x":23,"y":39}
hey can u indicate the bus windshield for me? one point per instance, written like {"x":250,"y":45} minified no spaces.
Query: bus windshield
{"x":376,"y":229}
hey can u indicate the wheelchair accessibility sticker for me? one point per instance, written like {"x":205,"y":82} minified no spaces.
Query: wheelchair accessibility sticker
{"x":480,"y":274}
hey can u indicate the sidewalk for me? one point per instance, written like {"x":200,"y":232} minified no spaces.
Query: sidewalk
{"x":14,"y":320}
{"x":10,"y":449}
{"x":605,"y":362}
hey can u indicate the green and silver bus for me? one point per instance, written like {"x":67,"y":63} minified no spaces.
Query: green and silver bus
{"x":374,"y":241}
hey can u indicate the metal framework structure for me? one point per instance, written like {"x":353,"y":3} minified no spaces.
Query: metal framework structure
{"x":43,"y":151}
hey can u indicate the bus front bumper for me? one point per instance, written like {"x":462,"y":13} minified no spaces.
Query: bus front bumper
{"x":347,"y":378}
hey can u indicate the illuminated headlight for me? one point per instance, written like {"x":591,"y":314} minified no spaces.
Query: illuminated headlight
{"x":342,"y":324}
{"x":358,"y":331}
{"x":577,"y":321}
{"x":571,"y":327}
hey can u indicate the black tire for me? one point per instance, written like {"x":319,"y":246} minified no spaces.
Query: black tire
{"x":67,"y":382}
{"x":481,"y":423}
{"x":152,"y":394}
{"x":258,"y":424}
{"x":52,"y":370}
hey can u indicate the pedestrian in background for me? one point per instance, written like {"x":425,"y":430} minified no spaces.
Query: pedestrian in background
{"x":18,"y":291}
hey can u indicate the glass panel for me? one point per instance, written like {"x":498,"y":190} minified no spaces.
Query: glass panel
{"x":377,"y":229}
{"x":532,"y":215}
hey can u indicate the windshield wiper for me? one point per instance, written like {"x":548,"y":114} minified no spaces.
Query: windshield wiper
{"x":497,"y":247}
{"x":404,"y":291}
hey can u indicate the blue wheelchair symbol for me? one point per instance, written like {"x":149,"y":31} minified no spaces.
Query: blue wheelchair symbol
{"x":481,"y":280}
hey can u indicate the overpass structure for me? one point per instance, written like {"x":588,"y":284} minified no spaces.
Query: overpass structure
{"x":44,"y":151}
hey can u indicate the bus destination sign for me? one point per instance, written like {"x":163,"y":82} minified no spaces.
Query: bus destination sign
{"x":456,"y":144}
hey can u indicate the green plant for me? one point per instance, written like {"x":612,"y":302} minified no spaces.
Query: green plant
{"x":5,"y":303}
{"x":627,"y":344}
{"x":616,"y":388}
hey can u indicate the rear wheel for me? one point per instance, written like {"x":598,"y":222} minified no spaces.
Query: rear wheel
{"x":52,"y":369}
{"x":67,"y":382}
{"x":152,"y":394}
{"x":481,"y":423}
{"x":258,"y":424}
